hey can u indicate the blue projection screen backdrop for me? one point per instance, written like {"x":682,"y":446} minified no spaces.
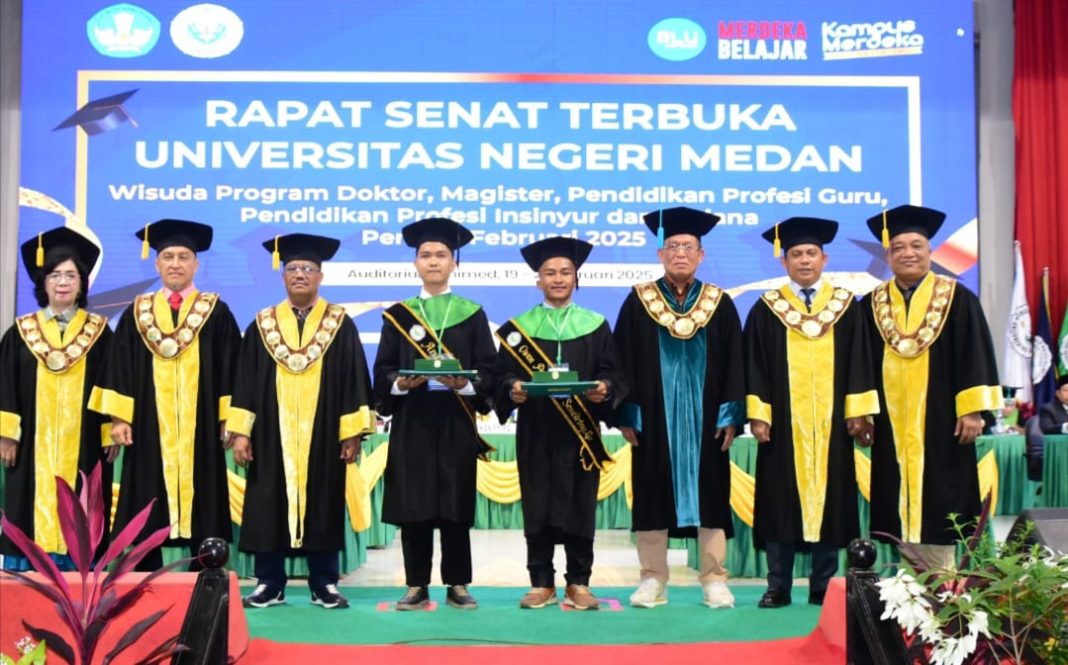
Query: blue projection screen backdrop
{"x":519,"y":120}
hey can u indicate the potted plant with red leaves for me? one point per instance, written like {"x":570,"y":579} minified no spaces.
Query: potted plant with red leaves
{"x":89,"y":614}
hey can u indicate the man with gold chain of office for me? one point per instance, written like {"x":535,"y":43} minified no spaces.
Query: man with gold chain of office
{"x":300,"y":409}
{"x":935,"y":365}
{"x":166,"y":386}
{"x":810,"y":387}
{"x":680,"y":347}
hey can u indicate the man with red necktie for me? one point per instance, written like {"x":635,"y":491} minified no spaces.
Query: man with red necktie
{"x":166,"y":386}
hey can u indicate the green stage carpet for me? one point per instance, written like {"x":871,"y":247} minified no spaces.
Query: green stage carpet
{"x":500,"y":621}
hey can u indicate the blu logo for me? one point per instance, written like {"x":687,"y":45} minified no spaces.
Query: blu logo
{"x":677,"y":39}
{"x":123,"y":31}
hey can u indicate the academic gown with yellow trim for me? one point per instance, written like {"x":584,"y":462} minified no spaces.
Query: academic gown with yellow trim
{"x":805,"y":388}
{"x":22,"y":403}
{"x":268,"y":399}
{"x":956,"y":375}
{"x":127,"y":388}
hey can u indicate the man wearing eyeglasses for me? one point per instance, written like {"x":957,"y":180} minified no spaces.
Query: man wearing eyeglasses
{"x":300,"y":409}
{"x":166,"y":386}
{"x":680,"y":345}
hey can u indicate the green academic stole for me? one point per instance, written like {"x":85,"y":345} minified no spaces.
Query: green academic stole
{"x":421,"y":336}
{"x":573,"y":410}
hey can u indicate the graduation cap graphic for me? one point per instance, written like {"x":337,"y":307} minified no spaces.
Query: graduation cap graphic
{"x":101,"y":115}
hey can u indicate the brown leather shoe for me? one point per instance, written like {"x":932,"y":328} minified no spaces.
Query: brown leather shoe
{"x":538,"y":597}
{"x":580,"y":597}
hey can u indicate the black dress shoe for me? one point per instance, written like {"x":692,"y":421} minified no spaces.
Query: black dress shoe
{"x":816,"y":597}
{"x":774,"y":598}
{"x":457,"y":596}
{"x":415,"y":598}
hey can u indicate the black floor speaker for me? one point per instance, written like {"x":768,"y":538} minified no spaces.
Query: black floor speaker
{"x":1051,"y":527}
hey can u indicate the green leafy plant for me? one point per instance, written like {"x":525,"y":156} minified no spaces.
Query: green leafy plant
{"x":88,"y":614}
{"x":1005,"y":603}
{"x":29,"y":653}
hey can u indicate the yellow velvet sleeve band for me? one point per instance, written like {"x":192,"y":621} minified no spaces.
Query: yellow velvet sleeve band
{"x":978,"y":398}
{"x":105,"y":435}
{"x":862,"y":404}
{"x":10,"y":425}
{"x":111,"y":403}
{"x":755,"y":409}
{"x":355,"y":424}
{"x":224,"y":406}
{"x":239,"y":421}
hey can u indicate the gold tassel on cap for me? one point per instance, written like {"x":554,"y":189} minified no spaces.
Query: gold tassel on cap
{"x":777,"y":245}
{"x":276,"y":258}
{"x":144,"y":244}
{"x":886,"y":233}
{"x":39,"y":258}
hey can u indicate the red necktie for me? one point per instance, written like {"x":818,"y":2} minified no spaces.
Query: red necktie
{"x":175,"y":300}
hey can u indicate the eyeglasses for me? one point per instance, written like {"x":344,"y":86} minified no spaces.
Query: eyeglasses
{"x":57,"y":277}
{"x":307,"y":270}
{"x":686,"y":248}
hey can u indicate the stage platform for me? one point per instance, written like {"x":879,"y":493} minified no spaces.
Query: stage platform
{"x":499,"y":631}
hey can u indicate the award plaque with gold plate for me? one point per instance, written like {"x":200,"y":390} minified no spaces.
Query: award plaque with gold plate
{"x":438,"y":367}
{"x":556,"y":382}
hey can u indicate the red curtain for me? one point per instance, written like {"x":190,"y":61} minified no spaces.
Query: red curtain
{"x":1040,"y":109}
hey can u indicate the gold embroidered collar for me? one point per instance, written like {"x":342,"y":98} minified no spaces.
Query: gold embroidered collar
{"x":59,"y":352}
{"x":681,"y":325}
{"x":158,"y":332}
{"x":293,"y":351}
{"x":910,"y":334}
{"x":829,"y":306}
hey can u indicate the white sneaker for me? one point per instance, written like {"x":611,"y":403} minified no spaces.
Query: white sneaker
{"x":717,"y":595}
{"x":650,"y":593}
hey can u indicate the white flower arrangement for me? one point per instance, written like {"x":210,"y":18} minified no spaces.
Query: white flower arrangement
{"x":1008,"y":603}
{"x":906,"y":602}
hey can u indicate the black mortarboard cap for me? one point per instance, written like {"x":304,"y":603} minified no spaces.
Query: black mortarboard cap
{"x":1062,"y":380}
{"x":166,"y":233}
{"x":100,"y":115}
{"x":56,"y":242}
{"x":436,"y":229}
{"x":537,"y":253}
{"x":906,"y":219}
{"x":301,"y":247}
{"x":800,"y":231}
{"x":673,"y":221}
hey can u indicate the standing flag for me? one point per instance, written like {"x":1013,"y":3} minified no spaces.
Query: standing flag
{"x":1042,"y":361}
{"x":1062,"y":344}
{"x":1017,"y":370}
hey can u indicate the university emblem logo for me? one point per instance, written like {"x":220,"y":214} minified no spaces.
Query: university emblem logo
{"x":123,"y":31}
{"x":207,"y":31}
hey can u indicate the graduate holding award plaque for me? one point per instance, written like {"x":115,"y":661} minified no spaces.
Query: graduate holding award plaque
{"x":433,"y":373}
{"x":557,"y":363}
